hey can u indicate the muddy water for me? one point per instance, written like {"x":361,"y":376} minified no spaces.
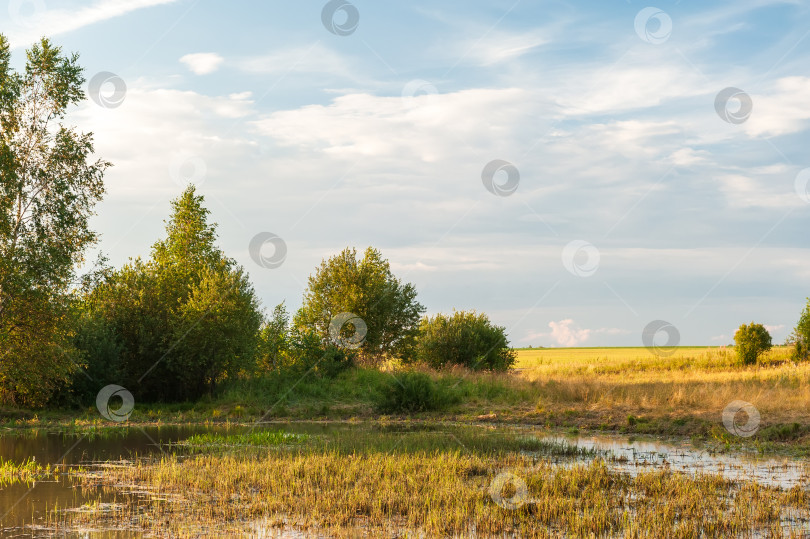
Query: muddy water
{"x":23,"y":507}
{"x":636,"y":456}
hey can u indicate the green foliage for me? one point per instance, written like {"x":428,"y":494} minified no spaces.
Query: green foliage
{"x":186,"y":319}
{"x":411,"y":392}
{"x":298,"y":351}
{"x":466,"y":338}
{"x":48,"y":189}
{"x":801,"y":336}
{"x":275,"y":343}
{"x":259,"y":438}
{"x":751,"y":341}
{"x":368,"y":289}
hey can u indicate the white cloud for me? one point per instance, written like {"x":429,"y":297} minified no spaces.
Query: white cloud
{"x":566,"y":333}
{"x":314,"y":58}
{"x":202,"y":63}
{"x":613,"y":331}
{"x":497,"y":47}
{"x":766,"y":191}
{"x":781,"y":111}
{"x":362,"y":125}
{"x":27,"y":27}
{"x":775,"y":328}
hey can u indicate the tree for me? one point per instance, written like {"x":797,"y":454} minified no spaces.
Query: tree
{"x":367,"y":289}
{"x":48,"y":189}
{"x":466,"y":338}
{"x":751,"y":341}
{"x":187,"y":318}
{"x":801,"y":335}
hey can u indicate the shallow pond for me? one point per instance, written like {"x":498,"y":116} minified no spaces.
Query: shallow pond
{"x":23,"y":507}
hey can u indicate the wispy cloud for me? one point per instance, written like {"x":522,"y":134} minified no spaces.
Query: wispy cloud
{"x":28,"y":26}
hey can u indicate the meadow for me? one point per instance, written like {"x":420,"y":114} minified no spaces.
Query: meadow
{"x":315,"y":455}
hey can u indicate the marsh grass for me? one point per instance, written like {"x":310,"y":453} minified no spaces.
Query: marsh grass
{"x":258,"y":438}
{"x":27,"y":471}
{"x":443,"y":493}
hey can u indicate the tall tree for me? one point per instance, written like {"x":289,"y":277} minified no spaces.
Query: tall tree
{"x":369,"y":290}
{"x":49,"y":186}
{"x":187,"y":318}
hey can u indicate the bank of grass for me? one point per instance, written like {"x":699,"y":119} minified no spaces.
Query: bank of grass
{"x":364,"y":485}
{"x":625,"y":390}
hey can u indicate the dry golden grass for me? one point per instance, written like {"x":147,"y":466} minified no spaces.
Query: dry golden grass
{"x":694,"y":381}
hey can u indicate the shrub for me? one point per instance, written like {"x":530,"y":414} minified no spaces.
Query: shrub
{"x":751,"y":341}
{"x":801,"y":336}
{"x":411,"y":392}
{"x":466,"y":338}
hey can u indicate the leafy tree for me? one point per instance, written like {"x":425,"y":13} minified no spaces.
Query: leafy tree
{"x":187,"y":318}
{"x":751,"y":341}
{"x":466,"y":338}
{"x":801,"y":335}
{"x":275,"y":340}
{"x":48,"y":188}
{"x":369,"y":290}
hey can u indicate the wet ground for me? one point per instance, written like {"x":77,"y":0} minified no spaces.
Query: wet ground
{"x":23,"y":507}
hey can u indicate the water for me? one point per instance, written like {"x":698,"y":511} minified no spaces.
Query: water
{"x":23,"y":507}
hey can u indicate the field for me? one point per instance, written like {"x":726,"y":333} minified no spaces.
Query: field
{"x":540,"y":451}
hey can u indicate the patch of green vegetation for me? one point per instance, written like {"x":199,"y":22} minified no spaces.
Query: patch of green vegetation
{"x":27,"y":471}
{"x":258,"y":438}
{"x":409,"y":392}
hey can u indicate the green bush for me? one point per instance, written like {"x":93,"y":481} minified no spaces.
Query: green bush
{"x":411,"y":392}
{"x":751,"y":341}
{"x":801,"y":336}
{"x":466,"y":338}
{"x":297,"y":351}
{"x":187,"y":319}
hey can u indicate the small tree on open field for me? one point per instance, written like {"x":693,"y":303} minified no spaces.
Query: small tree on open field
{"x":49,"y":186}
{"x":801,"y":335}
{"x":751,"y":341}
{"x":367,"y":289}
{"x":466,"y":338}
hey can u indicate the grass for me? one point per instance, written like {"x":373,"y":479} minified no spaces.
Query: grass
{"x":410,"y":477}
{"x":27,"y":471}
{"x":431,"y":485}
{"x":625,"y":390}
{"x":259,"y":438}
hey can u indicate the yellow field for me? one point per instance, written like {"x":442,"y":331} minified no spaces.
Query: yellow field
{"x":692,"y":381}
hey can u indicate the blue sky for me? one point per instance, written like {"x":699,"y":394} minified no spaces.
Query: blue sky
{"x":639,"y":197}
